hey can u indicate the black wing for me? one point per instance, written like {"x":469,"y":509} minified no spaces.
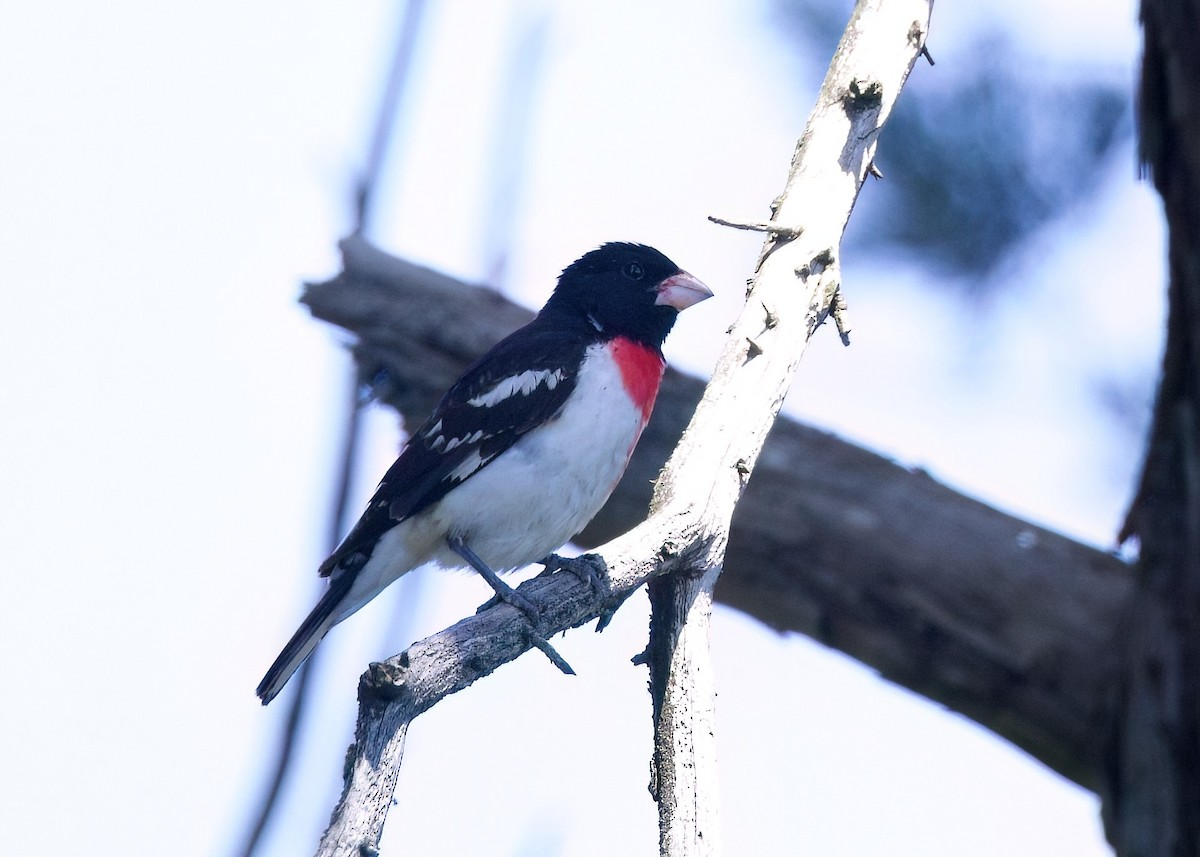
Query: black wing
{"x":517,"y":386}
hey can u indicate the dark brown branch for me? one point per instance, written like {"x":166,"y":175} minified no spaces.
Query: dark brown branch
{"x":982,"y":612}
{"x":1152,"y":757}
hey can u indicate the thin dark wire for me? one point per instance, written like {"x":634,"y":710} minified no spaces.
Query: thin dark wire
{"x":513,"y":121}
{"x":389,"y":108}
{"x":364,"y":208}
{"x":285,"y":750}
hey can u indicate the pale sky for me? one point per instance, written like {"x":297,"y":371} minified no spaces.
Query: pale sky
{"x":171,"y":173}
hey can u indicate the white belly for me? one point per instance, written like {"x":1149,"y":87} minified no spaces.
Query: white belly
{"x":531,"y":499}
{"x":537,"y":495}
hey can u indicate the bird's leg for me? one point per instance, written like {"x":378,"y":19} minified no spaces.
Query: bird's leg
{"x":507,"y":594}
{"x":503,"y":591}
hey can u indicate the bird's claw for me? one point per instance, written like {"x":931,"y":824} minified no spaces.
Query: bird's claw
{"x":592,"y":570}
{"x":589,"y":568}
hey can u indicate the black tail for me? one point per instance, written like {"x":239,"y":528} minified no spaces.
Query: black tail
{"x":310,"y":632}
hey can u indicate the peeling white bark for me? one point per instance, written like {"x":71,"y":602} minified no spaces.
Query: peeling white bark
{"x":795,"y":288}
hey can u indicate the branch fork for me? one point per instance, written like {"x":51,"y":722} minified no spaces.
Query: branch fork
{"x":694,"y":499}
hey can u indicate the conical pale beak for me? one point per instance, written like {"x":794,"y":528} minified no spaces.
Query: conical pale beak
{"x":681,"y":291}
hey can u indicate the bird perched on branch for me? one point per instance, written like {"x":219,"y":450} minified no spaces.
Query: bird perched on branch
{"x":523,"y":450}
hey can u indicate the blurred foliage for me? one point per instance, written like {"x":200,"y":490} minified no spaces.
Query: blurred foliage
{"x":976,"y":163}
{"x":982,"y":150}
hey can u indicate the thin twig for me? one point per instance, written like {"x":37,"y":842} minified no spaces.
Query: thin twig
{"x":364,"y":199}
{"x":776,"y":230}
{"x":841,"y":316}
{"x":385,"y":119}
{"x":289,"y":736}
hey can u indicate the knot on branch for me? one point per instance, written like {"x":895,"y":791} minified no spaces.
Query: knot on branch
{"x":827,"y":299}
{"x":667,"y":551}
{"x":863,"y":95}
{"x":689,"y":558}
{"x":383,"y":681}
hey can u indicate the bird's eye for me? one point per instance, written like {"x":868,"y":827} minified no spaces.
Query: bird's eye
{"x":633,"y":271}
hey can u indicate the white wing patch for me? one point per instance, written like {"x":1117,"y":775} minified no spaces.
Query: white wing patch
{"x":517,"y":385}
{"x":457,"y":441}
{"x":469,"y":465}
{"x":440,"y":442}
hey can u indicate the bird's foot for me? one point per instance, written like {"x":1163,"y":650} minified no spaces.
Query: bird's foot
{"x":508,"y":595}
{"x":590,"y":568}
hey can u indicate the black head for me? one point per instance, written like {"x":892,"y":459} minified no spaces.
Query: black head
{"x":630,"y":290}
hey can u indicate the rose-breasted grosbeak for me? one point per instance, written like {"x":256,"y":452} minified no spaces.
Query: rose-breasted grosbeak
{"x":525,"y":447}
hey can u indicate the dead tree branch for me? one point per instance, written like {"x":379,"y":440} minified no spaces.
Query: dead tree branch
{"x":794,"y":290}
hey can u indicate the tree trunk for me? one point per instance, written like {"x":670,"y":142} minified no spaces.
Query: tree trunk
{"x":1152,"y":759}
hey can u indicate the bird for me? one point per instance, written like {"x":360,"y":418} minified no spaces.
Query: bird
{"x":523,"y":449}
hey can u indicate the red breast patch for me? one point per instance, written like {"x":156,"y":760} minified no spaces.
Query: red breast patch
{"x":641,"y":371}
